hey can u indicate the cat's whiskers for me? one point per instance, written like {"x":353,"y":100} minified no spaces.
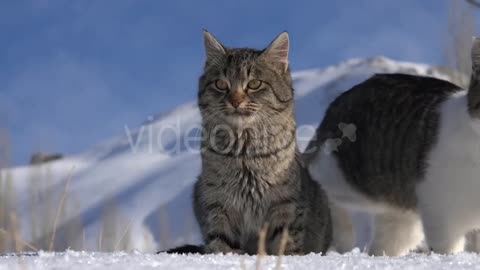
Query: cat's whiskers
{"x":208,"y":118}
{"x":274,"y":113}
{"x":271,"y":115}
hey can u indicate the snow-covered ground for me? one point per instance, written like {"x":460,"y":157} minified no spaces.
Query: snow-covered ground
{"x":72,"y":260}
{"x":134,"y":191}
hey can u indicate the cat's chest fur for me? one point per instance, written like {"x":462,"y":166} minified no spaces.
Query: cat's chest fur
{"x":253,"y":166}
{"x":248,"y":184}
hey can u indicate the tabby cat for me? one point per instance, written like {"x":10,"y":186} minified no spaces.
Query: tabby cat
{"x":251,"y":171}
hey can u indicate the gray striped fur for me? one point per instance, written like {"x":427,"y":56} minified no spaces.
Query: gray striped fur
{"x":251,"y":174}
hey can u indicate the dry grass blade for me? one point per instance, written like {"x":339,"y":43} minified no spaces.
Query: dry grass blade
{"x":84,"y":245}
{"x":25,"y":243}
{"x":16,"y":232}
{"x":100,"y":239}
{"x":164,"y":226}
{"x":282,"y":248}
{"x":262,"y":250}
{"x":59,"y":210}
{"x":123,"y":234}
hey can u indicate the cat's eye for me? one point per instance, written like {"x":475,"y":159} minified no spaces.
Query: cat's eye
{"x":254,"y":84}
{"x":221,"y":85}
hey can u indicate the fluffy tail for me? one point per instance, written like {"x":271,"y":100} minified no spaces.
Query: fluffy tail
{"x":186,"y":249}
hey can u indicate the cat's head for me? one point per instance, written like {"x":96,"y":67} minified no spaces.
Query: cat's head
{"x":245,"y":86}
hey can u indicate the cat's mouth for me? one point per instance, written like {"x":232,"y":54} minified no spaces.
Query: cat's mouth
{"x":239,"y":113}
{"x":239,"y":117}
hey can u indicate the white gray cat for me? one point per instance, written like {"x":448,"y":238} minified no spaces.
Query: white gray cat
{"x":414,"y":163}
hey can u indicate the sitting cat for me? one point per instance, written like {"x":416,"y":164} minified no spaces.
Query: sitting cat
{"x":251,"y":170}
{"x":414,"y":162}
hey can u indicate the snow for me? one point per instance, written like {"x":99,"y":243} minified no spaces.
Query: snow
{"x":147,"y":173}
{"x":72,"y":260}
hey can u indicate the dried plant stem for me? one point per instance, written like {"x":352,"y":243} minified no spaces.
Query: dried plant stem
{"x":25,"y":243}
{"x":100,"y":239}
{"x":59,"y":210}
{"x":282,"y":248}
{"x":16,"y":232}
{"x":83,"y":240}
{"x":262,"y":251}
{"x":164,"y":227}
{"x":123,"y":234}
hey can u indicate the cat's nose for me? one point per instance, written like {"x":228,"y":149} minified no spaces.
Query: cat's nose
{"x":236,"y":98}
{"x":236,"y":102}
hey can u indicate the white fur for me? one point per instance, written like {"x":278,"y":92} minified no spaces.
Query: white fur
{"x":448,"y":196}
{"x":324,"y":169}
{"x":343,"y":230}
{"x":395,"y":231}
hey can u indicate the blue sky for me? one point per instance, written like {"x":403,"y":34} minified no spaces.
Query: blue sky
{"x":73,"y":73}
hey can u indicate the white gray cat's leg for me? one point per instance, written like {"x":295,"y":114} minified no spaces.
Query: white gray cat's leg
{"x":445,"y":221}
{"x":395,"y":233}
{"x":473,"y":241}
{"x":343,"y":229}
{"x":445,"y":244}
{"x":444,"y":238}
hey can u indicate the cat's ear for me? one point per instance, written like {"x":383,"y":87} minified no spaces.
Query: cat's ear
{"x":476,"y":54}
{"x":213,"y":48}
{"x":277,"y":51}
